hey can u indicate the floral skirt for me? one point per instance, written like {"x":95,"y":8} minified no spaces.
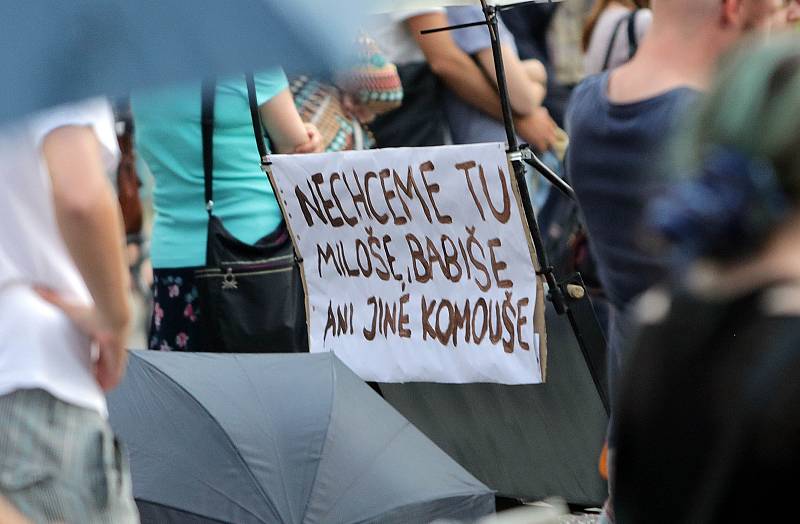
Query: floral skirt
{"x":175,"y":325}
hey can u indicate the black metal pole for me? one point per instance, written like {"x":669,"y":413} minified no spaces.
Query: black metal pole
{"x":490,"y":12}
{"x":545,"y":269}
{"x":572,"y":290}
{"x":581,"y":315}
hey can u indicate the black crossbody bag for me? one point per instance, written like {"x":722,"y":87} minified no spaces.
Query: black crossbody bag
{"x":251,"y":295}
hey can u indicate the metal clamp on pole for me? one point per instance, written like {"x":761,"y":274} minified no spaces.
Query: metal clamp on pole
{"x":545,"y":269}
{"x":534,"y":161}
{"x":266,"y":164}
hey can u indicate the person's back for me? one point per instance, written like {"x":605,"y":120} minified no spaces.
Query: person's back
{"x":169,"y":139}
{"x":619,"y":123}
{"x":614,"y":165}
{"x":705,"y":423}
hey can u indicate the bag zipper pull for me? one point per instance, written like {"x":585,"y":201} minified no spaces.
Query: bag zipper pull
{"x":229,"y":280}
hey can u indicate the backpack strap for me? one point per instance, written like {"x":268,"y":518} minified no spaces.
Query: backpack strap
{"x":633,"y":40}
{"x":630,"y":20}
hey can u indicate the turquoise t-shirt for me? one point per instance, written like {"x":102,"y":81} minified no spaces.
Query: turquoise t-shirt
{"x":168,"y":138}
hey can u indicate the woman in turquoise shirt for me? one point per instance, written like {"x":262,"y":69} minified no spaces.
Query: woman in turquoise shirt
{"x":168,"y":138}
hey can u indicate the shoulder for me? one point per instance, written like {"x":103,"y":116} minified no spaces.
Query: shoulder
{"x":272,"y":79}
{"x":95,"y":113}
{"x":585,"y":97}
{"x":644,"y":19}
{"x":471,"y":40}
{"x":609,"y":18}
{"x":589,"y":84}
{"x":268,"y":83}
{"x":89,"y":112}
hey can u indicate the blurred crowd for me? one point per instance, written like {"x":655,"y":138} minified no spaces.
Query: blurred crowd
{"x":677,"y":122}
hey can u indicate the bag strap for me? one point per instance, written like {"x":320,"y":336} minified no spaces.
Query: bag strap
{"x":261,"y":135}
{"x":207,"y":125}
{"x":258,"y":129}
{"x":613,"y":40}
{"x":633,"y":40}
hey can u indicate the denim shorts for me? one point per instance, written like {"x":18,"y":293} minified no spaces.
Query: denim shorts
{"x":61,"y":463}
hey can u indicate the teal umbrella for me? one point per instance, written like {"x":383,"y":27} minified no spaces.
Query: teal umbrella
{"x":53,"y":52}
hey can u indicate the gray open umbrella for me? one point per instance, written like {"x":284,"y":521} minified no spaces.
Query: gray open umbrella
{"x":278,"y":438}
{"x":56,"y":52}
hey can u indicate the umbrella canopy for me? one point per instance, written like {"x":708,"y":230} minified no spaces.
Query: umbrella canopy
{"x":278,"y":438}
{"x":55,"y":52}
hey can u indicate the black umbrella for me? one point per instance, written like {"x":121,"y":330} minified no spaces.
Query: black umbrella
{"x":55,"y":52}
{"x":278,"y":438}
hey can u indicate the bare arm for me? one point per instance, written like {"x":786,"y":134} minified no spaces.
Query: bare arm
{"x":281,"y":118}
{"x":535,"y":71}
{"x":89,"y":218}
{"x":525,"y":94}
{"x":91,"y":225}
{"x":463,"y":76}
{"x":453,"y":66}
{"x":9,"y":514}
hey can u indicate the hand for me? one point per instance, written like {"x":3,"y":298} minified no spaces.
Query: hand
{"x":362,"y":113}
{"x":538,"y":129}
{"x":314,"y":143}
{"x":110,"y":365}
{"x":9,"y":514}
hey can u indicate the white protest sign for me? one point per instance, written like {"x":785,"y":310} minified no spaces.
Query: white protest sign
{"x":416,"y":262}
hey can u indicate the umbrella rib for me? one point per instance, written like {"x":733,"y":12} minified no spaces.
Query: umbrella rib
{"x":259,"y":487}
{"x":325,"y":441}
{"x":274,"y":445}
{"x":204,"y":517}
{"x":373,"y":518}
{"x":178,"y":467}
{"x":383,"y":450}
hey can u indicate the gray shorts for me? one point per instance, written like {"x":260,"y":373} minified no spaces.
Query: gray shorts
{"x":61,"y":463}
